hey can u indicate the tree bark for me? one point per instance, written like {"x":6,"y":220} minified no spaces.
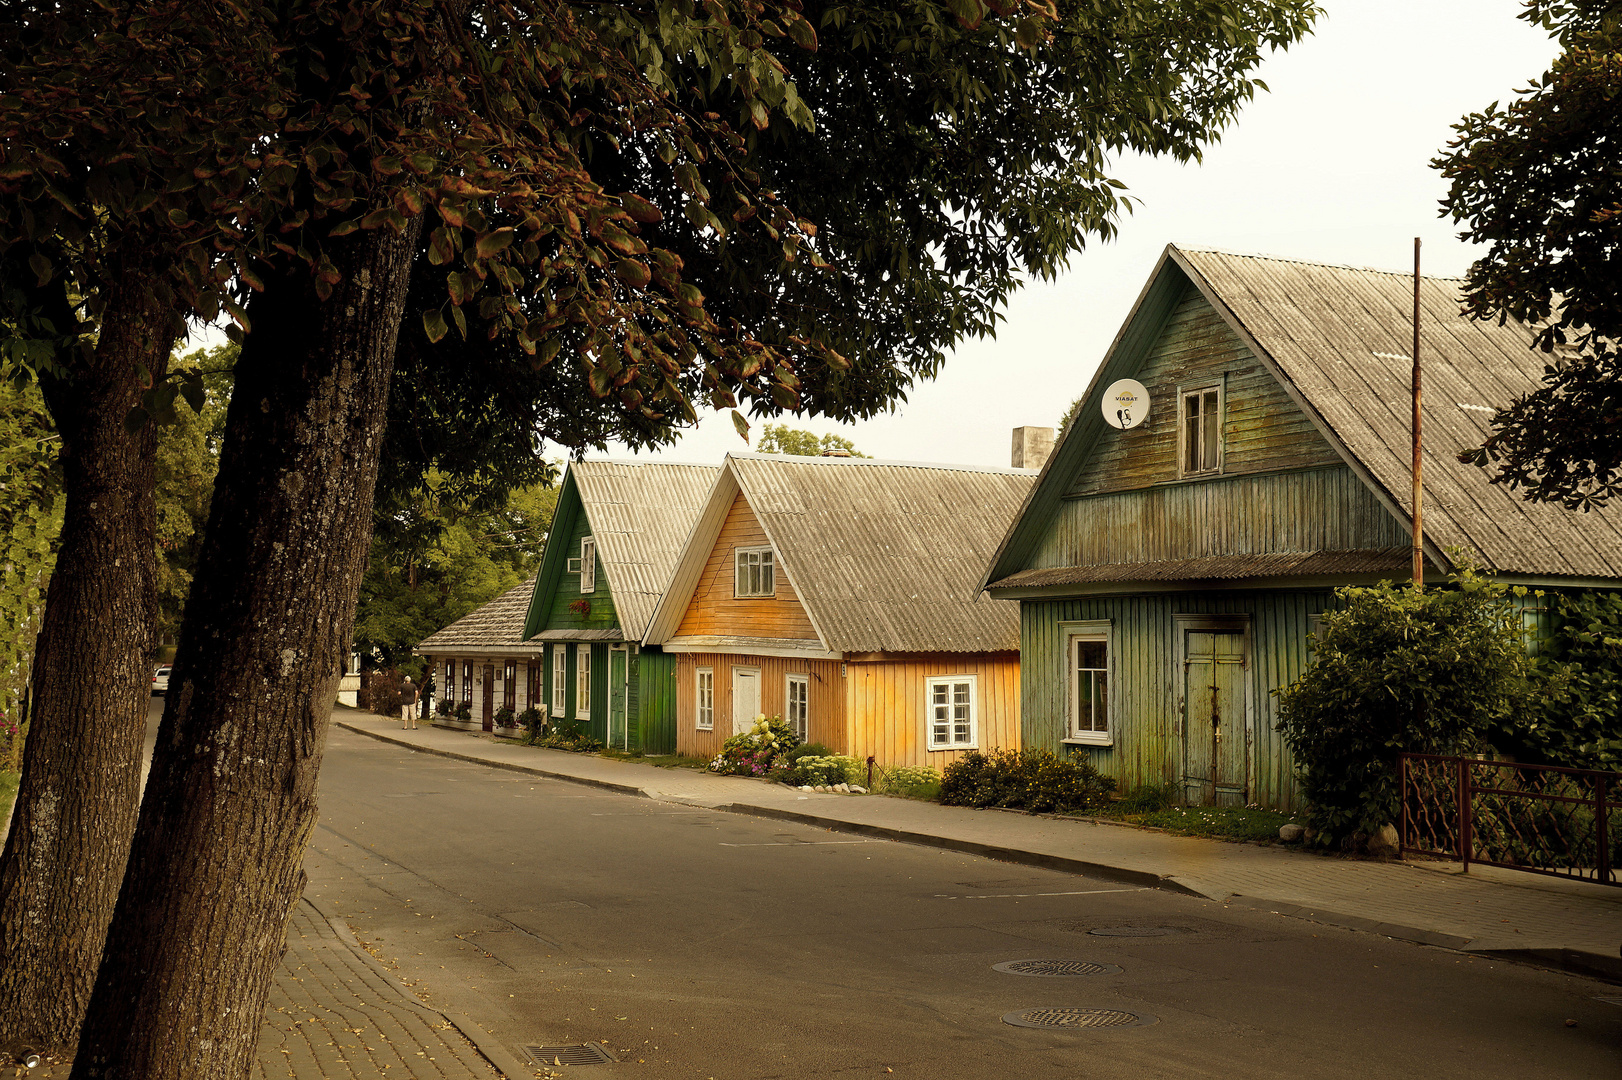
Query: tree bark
{"x":64,"y":858}
{"x":217,"y":863}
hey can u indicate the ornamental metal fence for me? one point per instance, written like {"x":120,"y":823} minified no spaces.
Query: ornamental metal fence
{"x":1538,"y":818}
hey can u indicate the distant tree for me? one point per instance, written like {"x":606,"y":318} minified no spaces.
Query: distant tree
{"x":30,"y":520}
{"x":782,"y":439}
{"x":1539,"y":183}
{"x":1070,"y":414}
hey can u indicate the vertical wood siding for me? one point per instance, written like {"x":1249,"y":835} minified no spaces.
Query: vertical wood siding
{"x":1263,"y":431}
{"x":826,"y":720}
{"x":714,"y":610}
{"x":1146,"y":674}
{"x":602,"y":615}
{"x":654,"y":687}
{"x":887,"y":713}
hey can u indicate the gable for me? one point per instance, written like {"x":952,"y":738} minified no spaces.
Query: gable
{"x":556,"y":587}
{"x":713,"y":610}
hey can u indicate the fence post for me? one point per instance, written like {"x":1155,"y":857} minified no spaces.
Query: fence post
{"x":1402,"y":795}
{"x":1600,"y":821}
{"x":1464,"y":812}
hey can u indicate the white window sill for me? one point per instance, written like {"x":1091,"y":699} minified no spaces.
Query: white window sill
{"x":1082,"y":740}
{"x":949,"y":749}
{"x":703,"y":727}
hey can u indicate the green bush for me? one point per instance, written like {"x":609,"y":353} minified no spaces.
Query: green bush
{"x":533,"y":723}
{"x":826,"y":769}
{"x":464,"y":713}
{"x":1574,"y":718}
{"x":1148,"y":799}
{"x":445,"y":707}
{"x":908,"y":781}
{"x":1397,"y":670}
{"x":1036,"y":780}
{"x":505,"y":717}
{"x":810,"y":749}
{"x":755,"y":752}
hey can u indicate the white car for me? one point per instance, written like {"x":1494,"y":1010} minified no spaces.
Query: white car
{"x":160,"y":681}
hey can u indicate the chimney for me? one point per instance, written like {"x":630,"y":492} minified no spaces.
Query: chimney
{"x":835,"y":451}
{"x":1032,"y":447}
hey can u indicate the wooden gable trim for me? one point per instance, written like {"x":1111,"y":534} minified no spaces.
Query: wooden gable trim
{"x":554,"y":558}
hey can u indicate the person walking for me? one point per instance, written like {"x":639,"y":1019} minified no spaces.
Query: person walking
{"x":408,"y":704}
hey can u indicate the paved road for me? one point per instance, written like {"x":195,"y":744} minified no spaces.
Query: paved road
{"x":692,"y":943}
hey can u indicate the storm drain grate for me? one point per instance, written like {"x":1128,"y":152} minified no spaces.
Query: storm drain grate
{"x":570,"y":1054}
{"x":1136,"y":931}
{"x":1077,"y":1018}
{"x":1054,"y":969}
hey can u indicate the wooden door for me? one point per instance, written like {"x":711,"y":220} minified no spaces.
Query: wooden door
{"x":489,"y":697}
{"x":745,"y":698}
{"x":1216,"y":752}
{"x":616,"y":698}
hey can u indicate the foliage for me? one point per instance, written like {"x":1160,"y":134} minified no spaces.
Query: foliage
{"x":824,"y":769}
{"x":808,"y":749}
{"x":1147,"y":799}
{"x":1574,"y":716}
{"x":464,"y":713}
{"x":505,"y":717}
{"x":1070,"y":414}
{"x":574,"y":741}
{"x":782,"y":439}
{"x":1537,"y":182}
{"x":907,"y":781}
{"x":533,"y":721}
{"x":1034,"y":780}
{"x":31,"y":505}
{"x":445,"y":706}
{"x":1396,"y":670}
{"x":1215,"y":822}
{"x":753,"y":752}
{"x":383,"y":692}
{"x":13,"y":737}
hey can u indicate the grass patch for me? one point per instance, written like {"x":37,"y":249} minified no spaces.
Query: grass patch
{"x":8,"y":791}
{"x":662,"y":761}
{"x":1215,"y":822}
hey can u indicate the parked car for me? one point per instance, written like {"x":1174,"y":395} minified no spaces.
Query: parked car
{"x":160,"y":681}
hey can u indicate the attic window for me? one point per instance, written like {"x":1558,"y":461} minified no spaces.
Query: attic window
{"x":588,"y":564}
{"x":755,"y":574}
{"x":1200,"y":427}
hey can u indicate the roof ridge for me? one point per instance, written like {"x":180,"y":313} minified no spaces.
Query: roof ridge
{"x":1408,"y":274}
{"x":807,"y":460}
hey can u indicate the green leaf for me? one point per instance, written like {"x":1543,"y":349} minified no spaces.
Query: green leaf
{"x":135,"y":420}
{"x":493,"y":242}
{"x":741,"y":425}
{"x":433,"y":324}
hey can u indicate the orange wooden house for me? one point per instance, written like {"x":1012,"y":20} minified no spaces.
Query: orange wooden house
{"x":842,"y":594}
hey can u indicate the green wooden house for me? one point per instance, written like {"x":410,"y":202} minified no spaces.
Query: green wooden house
{"x":1169,"y":572}
{"x":616,"y":534}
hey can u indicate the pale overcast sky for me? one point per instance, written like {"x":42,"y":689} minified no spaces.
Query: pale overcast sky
{"x":1331,"y":166}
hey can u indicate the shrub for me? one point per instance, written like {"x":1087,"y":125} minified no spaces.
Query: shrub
{"x":809,"y":749}
{"x":909,"y":781}
{"x":464,"y":713}
{"x":1036,"y":780}
{"x":504,"y":717}
{"x":1574,"y":718}
{"x":533,"y":723}
{"x":1148,"y":799}
{"x":825,"y":769}
{"x":754,"y":752}
{"x":445,"y":707}
{"x":577,"y":743}
{"x":1397,"y":670}
{"x":383,"y":693}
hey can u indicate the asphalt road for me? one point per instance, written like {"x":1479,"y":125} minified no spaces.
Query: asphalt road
{"x":701,"y":944}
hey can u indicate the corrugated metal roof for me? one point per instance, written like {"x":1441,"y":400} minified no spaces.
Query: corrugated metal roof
{"x":498,"y":623}
{"x":887,"y":556}
{"x":640,"y":514}
{"x":1219,"y":568}
{"x":1324,"y":327}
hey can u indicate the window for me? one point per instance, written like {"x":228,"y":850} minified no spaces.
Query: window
{"x":509,"y":685}
{"x":560,"y":677}
{"x":1201,"y":419}
{"x":1089,"y":689}
{"x":450,"y":680}
{"x":706,"y":699}
{"x":588,"y":564}
{"x":952,"y":722}
{"x":582,"y":681}
{"x":467,"y":682}
{"x":798,"y":708}
{"x":755,"y":574}
{"x":532,"y":685}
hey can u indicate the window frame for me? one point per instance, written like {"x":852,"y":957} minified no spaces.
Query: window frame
{"x":509,"y":684}
{"x":449,"y":691}
{"x":588,"y":565}
{"x":1217,"y":388}
{"x":467,"y":683}
{"x":582,"y":682}
{"x":703,"y":708}
{"x":766,"y":560}
{"x":532,"y":685}
{"x":1074,"y":634}
{"x":973,"y":741}
{"x":803,"y":681}
{"x":560,"y":680}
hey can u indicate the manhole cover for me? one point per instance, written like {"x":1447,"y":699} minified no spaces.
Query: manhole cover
{"x":1135,"y":931}
{"x":1054,"y":969}
{"x":570,"y":1054}
{"x":1077,"y":1018}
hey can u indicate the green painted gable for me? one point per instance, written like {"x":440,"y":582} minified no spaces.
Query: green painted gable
{"x":555,"y":587}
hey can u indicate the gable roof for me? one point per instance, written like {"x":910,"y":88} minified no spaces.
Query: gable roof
{"x":640,"y":514}
{"x":885,"y":556}
{"x":497,"y":625}
{"x":1336,"y":338}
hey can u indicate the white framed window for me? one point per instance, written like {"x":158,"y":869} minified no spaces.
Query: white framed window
{"x":755,"y":574}
{"x":582,"y":681}
{"x":1199,"y":419}
{"x":588,"y":564}
{"x":574,"y":565}
{"x":797,"y":705}
{"x":467,"y":682}
{"x":706,"y":699}
{"x":953,"y":717}
{"x":1089,"y":676}
{"x":560,"y":678}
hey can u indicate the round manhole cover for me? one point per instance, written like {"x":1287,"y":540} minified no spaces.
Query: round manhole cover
{"x":1054,"y":969}
{"x":1136,"y":931}
{"x":1077,"y":1018}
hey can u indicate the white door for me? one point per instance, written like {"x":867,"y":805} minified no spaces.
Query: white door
{"x":745,"y":698}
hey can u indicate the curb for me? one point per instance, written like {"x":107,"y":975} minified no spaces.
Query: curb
{"x":1590,"y":965}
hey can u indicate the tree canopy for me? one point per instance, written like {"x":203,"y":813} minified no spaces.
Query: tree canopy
{"x":782,"y":439}
{"x":1538,"y":182}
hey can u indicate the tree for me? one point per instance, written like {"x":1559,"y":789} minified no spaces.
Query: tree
{"x":30,"y":519}
{"x":782,"y":439}
{"x":1538,"y":182}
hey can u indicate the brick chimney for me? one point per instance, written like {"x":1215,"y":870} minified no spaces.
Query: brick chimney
{"x":1032,"y":447}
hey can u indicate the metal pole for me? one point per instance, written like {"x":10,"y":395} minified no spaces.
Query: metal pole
{"x":1419,"y":503}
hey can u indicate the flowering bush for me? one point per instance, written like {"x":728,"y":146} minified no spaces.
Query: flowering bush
{"x":911,"y":781}
{"x":832,"y":769}
{"x":505,"y":717}
{"x":754,"y":752}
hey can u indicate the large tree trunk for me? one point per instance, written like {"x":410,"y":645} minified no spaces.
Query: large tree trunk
{"x":217,"y":863}
{"x":76,"y":809}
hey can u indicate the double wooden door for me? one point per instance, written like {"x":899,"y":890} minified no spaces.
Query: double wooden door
{"x":1216,"y":729}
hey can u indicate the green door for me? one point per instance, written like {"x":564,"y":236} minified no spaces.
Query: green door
{"x":616,"y":697}
{"x":1216,"y":752}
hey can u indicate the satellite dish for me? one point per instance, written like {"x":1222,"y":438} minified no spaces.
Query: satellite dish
{"x":1126,"y":404}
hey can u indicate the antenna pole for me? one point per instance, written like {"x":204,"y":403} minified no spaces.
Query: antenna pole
{"x":1419,"y":497}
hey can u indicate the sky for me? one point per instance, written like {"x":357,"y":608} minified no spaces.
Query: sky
{"x":1333,"y":166}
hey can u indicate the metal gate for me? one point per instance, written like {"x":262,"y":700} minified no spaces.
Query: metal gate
{"x":1538,"y":818}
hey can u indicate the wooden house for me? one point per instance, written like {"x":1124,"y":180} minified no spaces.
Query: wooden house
{"x":842,"y":595}
{"x":482,"y":661}
{"x":1169,"y":573}
{"x":616,"y":534}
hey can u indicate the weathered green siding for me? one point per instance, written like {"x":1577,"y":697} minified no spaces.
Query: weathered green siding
{"x":567,"y":590}
{"x":654,"y":687}
{"x":1145,"y":673}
